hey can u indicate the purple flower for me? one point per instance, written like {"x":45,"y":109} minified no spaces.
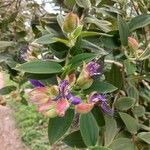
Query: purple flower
{"x":74,"y":100}
{"x":36,"y":83}
{"x":93,"y":68}
{"x":63,"y":88}
{"x":102,"y":99}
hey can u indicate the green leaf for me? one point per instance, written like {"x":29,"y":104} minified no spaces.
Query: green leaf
{"x":40,"y":67}
{"x":130,"y":122}
{"x":122,"y":144}
{"x":114,"y":76}
{"x":84,"y":3}
{"x":102,"y":87}
{"x":69,"y":3}
{"x":98,"y":115}
{"x":139,"y":110}
{"x":58,"y":126}
{"x":123,"y":30}
{"x":139,"y":22}
{"x":104,"y":25}
{"x":110,"y":130}
{"x":5,"y":44}
{"x":100,"y":148}
{"x":79,"y":59}
{"x":145,"y":54}
{"x":92,"y":33}
{"x":7,"y":89}
{"x":46,"y":39}
{"x":90,"y":46}
{"x":77,"y":32}
{"x":133,"y":92}
{"x":89,"y":129}
{"x":125,"y":103}
{"x":130,"y":67}
{"x":145,"y":136}
{"x":74,"y":139}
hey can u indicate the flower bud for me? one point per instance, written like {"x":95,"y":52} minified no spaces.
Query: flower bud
{"x":71,"y":22}
{"x":133,"y":43}
{"x":84,"y":108}
{"x":61,"y":107}
{"x":48,"y":109}
{"x":39,"y":95}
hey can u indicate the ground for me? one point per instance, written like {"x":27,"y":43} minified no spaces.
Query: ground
{"x":9,"y":134}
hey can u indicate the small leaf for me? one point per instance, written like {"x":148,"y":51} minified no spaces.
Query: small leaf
{"x":58,"y":126}
{"x":40,"y":67}
{"x":145,"y":136}
{"x":130,"y":67}
{"x":102,"y":87}
{"x":123,"y":30}
{"x":139,"y":22}
{"x":74,"y":140}
{"x":69,"y":3}
{"x":122,"y":144}
{"x":111,"y":129}
{"x":90,"y":46}
{"x":7,"y":89}
{"x":79,"y":59}
{"x":130,"y":122}
{"x":139,"y":110}
{"x":92,"y":33}
{"x":84,"y":3}
{"x":77,"y":32}
{"x":133,"y":92}
{"x":125,"y":103}
{"x":89,"y":129}
{"x":46,"y":39}
{"x":100,"y":148}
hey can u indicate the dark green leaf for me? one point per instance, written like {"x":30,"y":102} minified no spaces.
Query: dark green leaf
{"x":125,"y":103}
{"x":58,"y":126}
{"x":139,"y":22}
{"x":145,"y":136}
{"x":111,"y":129}
{"x":79,"y":59}
{"x":130,"y":122}
{"x":40,"y":67}
{"x":123,"y":30}
{"x":74,"y":140}
{"x":102,"y":87}
{"x":69,"y":3}
{"x":89,"y":129}
{"x":122,"y":144}
{"x":98,"y":115}
{"x":114,"y":76}
{"x":6,"y":90}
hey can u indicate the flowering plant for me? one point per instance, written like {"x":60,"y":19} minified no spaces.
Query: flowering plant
{"x":86,"y":69}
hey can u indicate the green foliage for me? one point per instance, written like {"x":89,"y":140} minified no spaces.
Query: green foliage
{"x":33,"y":45}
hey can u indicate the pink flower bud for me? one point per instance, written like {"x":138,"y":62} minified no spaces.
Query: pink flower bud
{"x":61,"y":107}
{"x":48,"y":109}
{"x":133,"y":43}
{"x":71,"y":79}
{"x":39,"y":95}
{"x":84,"y":108}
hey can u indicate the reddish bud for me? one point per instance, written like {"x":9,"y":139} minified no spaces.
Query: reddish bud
{"x":84,"y":108}
{"x":133,"y":43}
